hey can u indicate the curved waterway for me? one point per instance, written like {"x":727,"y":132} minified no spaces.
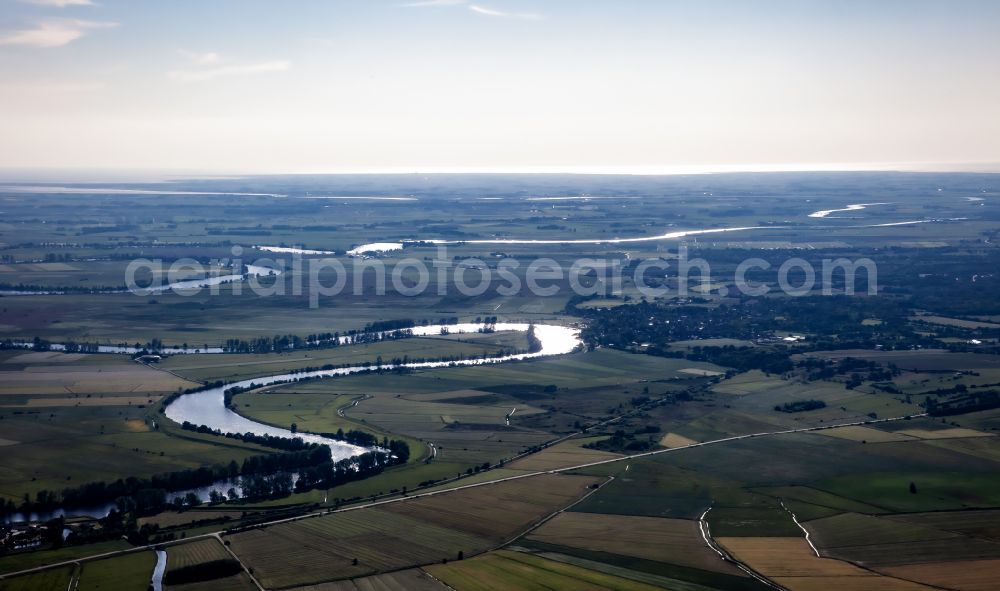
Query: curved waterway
{"x":252,"y":271}
{"x":208,"y":408}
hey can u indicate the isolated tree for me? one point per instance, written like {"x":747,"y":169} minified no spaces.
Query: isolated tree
{"x":913,"y":488}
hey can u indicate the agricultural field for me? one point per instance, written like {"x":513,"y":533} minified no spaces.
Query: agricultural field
{"x":675,"y":541}
{"x":242,"y":366}
{"x":131,"y":572}
{"x":961,"y":575}
{"x":413,"y":579}
{"x":501,"y":570}
{"x":790,"y":563}
{"x":55,"y":579}
{"x":184,"y":555}
{"x":48,"y":379}
{"x":436,"y":527}
{"x":904,"y":505}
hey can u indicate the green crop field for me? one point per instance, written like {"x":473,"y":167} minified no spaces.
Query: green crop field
{"x":131,"y":572}
{"x":514,"y":570}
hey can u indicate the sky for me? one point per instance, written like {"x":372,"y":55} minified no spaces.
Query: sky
{"x":641,"y":86}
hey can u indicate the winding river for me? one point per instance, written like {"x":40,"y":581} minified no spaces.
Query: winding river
{"x":208,"y":408}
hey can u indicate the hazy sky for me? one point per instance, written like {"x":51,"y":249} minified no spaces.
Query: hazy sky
{"x":584,"y":85}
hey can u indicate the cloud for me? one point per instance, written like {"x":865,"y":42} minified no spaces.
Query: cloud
{"x":206,"y":58}
{"x":478,"y":9}
{"x":53,"y":33}
{"x":60,"y":3}
{"x":501,"y":14}
{"x":423,"y":3}
{"x":204,"y":74}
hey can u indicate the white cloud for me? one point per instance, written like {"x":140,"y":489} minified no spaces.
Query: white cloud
{"x":203,"y":74}
{"x":499,"y":13}
{"x":206,"y":58}
{"x":60,"y":3}
{"x":53,"y":33}
{"x":423,"y":3}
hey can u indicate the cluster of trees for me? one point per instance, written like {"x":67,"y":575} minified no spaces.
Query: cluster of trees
{"x":800,"y":406}
{"x":838,"y":320}
{"x":148,"y":495}
{"x":282,"y":443}
{"x":366,"y":465}
{"x":623,"y":441}
{"x":963,"y":403}
{"x":534,"y":343}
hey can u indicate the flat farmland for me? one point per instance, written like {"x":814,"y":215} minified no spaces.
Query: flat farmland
{"x":980,"y":523}
{"x":562,"y":455}
{"x":926,"y":359}
{"x":184,"y":555}
{"x":210,"y":367}
{"x":413,"y":579}
{"x":671,"y":440}
{"x":791,"y":563}
{"x":961,"y":575}
{"x":603,"y":367}
{"x":411,"y":533}
{"x":853,"y":529}
{"x":503,"y":570}
{"x":463,"y":433}
{"x":131,"y":572}
{"x":675,"y":541}
{"x":53,"y":579}
{"x":866,"y":434}
{"x":240,"y":582}
{"x":71,"y":376}
{"x":108,"y":442}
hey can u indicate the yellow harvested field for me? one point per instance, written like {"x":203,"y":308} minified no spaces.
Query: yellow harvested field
{"x":952,"y":433}
{"x":859,"y":433}
{"x":561,"y":455}
{"x":674,"y":440}
{"x":676,"y":541}
{"x":964,"y":575}
{"x":136,"y":425}
{"x":791,"y":563}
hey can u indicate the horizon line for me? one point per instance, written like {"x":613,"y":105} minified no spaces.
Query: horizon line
{"x":645,"y":170}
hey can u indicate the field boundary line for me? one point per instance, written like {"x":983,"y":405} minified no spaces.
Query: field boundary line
{"x":800,"y":526}
{"x":246,"y":569}
{"x":706,"y":534}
